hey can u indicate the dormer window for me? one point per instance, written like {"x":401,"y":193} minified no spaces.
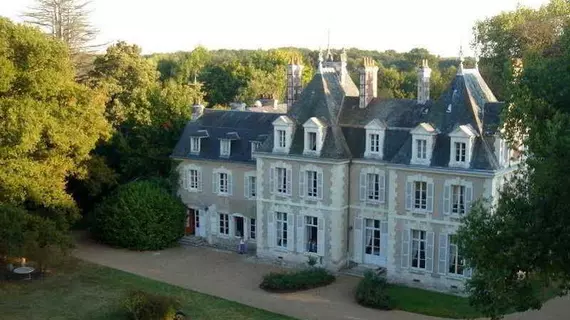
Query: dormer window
{"x":460,"y":152}
{"x":282,"y":134}
{"x":254,"y":147}
{"x":421,"y":149}
{"x":282,"y":138}
{"x":314,"y":136}
{"x":375,"y":132}
{"x":195,"y":145}
{"x":423,"y":141}
{"x":462,"y":140}
{"x":312,"y":141}
{"x":225,"y":147}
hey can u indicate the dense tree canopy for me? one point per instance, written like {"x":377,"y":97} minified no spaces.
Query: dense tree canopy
{"x":519,"y":247}
{"x":48,"y":123}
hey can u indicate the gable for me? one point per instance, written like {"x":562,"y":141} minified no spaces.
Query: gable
{"x":314,"y":122}
{"x":424,"y":128}
{"x":463,"y":131}
{"x":283,"y":121}
{"x":376,"y":124}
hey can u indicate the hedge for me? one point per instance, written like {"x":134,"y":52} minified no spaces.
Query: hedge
{"x":372,"y":292}
{"x":297,"y":280}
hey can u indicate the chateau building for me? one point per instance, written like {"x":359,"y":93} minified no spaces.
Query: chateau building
{"x":347,"y":177}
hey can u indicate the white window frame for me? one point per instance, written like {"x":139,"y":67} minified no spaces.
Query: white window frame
{"x":375,"y":134}
{"x":313,"y":128}
{"x":254,"y":146}
{"x":188,"y":182}
{"x":283,"y":128}
{"x":420,"y":203}
{"x":225,"y":147}
{"x":217,"y":179}
{"x":458,"y":199}
{"x":466,"y":135}
{"x":416,"y":238}
{"x":195,"y":144}
{"x":411,"y":194}
{"x":281,"y":230}
{"x":250,"y":187}
{"x":365,"y":184}
{"x":305,"y":185}
{"x":421,"y":155}
{"x":448,"y":196}
{"x":459,"y":263}
{"x":311,"y":222}
{"x":274,"y":179}
{"x":224,"y":224}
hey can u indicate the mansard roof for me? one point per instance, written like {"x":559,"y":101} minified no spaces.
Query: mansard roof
{"x":241,"y":127}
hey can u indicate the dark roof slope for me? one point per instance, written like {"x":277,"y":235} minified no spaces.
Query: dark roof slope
{"x":242,"y":126}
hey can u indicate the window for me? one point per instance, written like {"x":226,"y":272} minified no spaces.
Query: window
{"x":193,"y":179}
{"x":458,"y":199}
{"x":282,"y":181}
{"x":311,"y":141}
{"x":225,"y":146}
{"x":238,"y":226}
{"x":223,"y":183}
{"x":420,"y":195}
{"x":456,"y":262}
{"x":374,"y":142}
{"x":421,"y":149}
{"x":281,"y":138}
{"x":255,"y":146}
{"x":252,"y":232}
{"x":195,"y":145}
{"x":311,"y":233}
{"x":418,"y":249}
{"x":460,"y":151}
{"x":281,"y":228}
{"x":312,"y":184}
{"x":373,"y":187}
{"x":224,"y":224}
{"x":250,"y":187}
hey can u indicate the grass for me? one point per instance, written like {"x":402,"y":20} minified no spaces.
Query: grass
{"x":91,"y":292}
{"x":430,"y":303}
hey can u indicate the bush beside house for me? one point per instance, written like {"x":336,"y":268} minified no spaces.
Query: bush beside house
{"x":372,"y":291}
{"x":141,"y":215}
{"x":298,"y":280}
{"x":141,"y":305}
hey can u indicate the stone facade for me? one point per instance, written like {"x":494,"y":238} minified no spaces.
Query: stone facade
{"x":349,"y":180}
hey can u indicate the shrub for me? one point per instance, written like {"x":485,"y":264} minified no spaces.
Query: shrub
{"x":372,"y":292}
{"x":140,"y":215}
{"x":141,"y":305}
{"x":298,"y":280}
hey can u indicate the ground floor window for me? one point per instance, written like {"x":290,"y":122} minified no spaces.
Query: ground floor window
{"x":311,"y":233}
{"x":372,"y":229}
{"x":224,"y":224}
{"x":281,"y":228}
{"x":239,"y":226}
{"x":418,"y":249}
{"x":252,"y":226}
{"x":456,"y":261}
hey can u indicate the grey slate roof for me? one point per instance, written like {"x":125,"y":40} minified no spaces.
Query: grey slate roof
{"x":244,"y":127}
{"x":335,"y":104}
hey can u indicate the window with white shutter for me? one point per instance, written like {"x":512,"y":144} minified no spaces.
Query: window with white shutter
{"x":442,"y":254}
{"x":419,"y":249}
{"x":405,"y":256}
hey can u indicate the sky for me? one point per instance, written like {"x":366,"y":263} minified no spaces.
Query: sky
{"x":441,"y":26}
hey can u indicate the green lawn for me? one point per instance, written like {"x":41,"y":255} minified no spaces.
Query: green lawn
{"x":430,"y":303}
{"x":91,"y":292}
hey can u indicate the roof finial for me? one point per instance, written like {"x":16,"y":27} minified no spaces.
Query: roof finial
{"x":343,"y":55}
{"x":329,"y":54}
{"x":461,"y":59}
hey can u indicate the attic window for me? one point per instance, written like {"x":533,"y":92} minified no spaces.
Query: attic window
{"x":421,"y":148}
{"x":312,"y":140}
{"x":254,"y":147}
{"x":225,"y":147}
{"x":460,"y":151}
{"x":375,"y":132}
{"x":194,"y":145}
{"x":281,"y":138}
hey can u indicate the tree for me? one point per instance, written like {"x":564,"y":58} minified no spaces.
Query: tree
{"x":48,"y":123}
{"x":65,"y":20}
{"x":512,"y":34}
{"x":519,"y":247}
{"x":141,"y":215}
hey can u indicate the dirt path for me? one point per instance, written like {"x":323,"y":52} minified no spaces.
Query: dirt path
{"x":233,"y":277}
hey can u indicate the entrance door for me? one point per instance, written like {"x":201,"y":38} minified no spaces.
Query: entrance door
{"x":190,"y":222}
{"x":372,"y":242}
{"x":239,"y":225}
{"x":200,"y":224}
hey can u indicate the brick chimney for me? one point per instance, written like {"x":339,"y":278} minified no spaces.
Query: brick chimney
{"x":368,"y":82}
{"x":424,"y":74}
{"x":294,"y":80}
